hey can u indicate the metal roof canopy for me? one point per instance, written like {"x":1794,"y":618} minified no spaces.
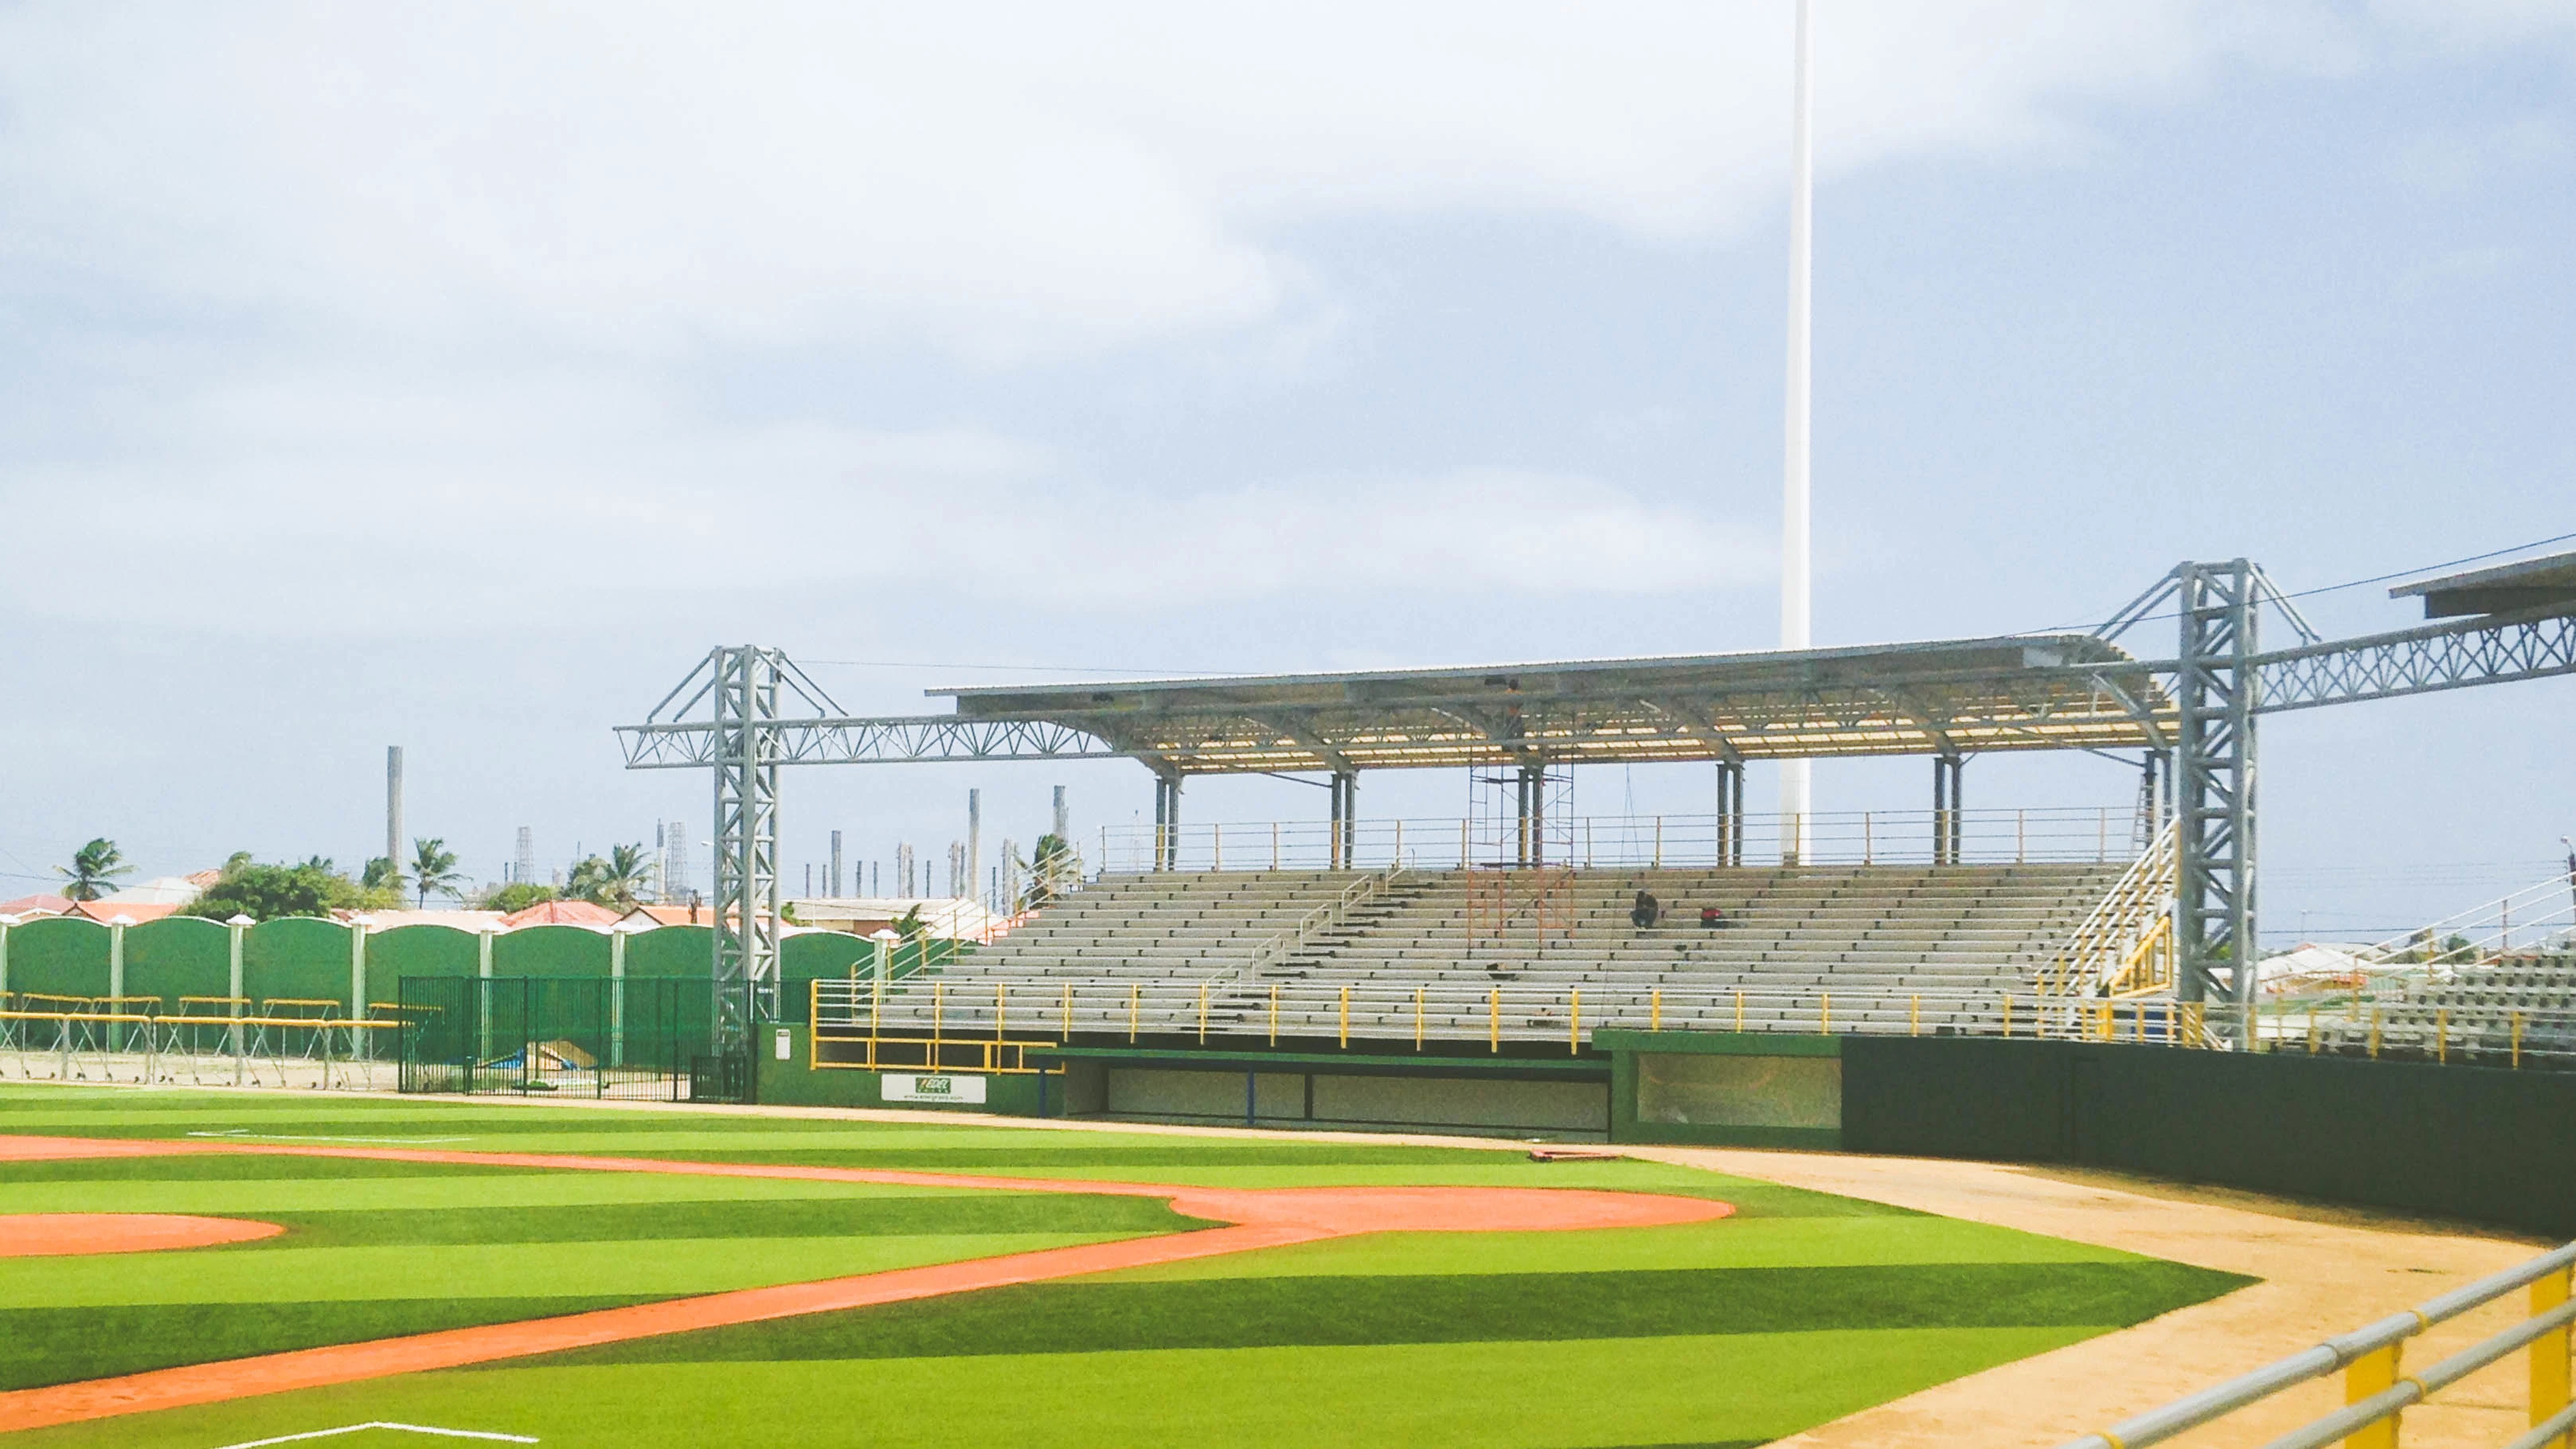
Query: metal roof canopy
{"x":1943,"y":697}
{"x":2531,"y":584}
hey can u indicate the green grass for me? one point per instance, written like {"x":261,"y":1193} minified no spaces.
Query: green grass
{"x":1800,"y":1308}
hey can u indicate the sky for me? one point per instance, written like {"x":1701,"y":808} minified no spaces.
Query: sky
{"x":455,"y":376}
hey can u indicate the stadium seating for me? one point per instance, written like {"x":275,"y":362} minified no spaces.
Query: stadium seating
{"x":2492,"y":1008}
{"x":1890,"y":947}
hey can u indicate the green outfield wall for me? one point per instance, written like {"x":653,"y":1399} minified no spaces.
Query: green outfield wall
{"x":309,"y":959}
{"x":2486,"y":1144}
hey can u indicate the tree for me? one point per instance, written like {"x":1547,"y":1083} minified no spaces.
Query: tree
{"x":266,"y":892}
{"x":94,"y":868}
{"x":613,"y":881}
{"x":433,"y":868}
{"x":516,"y":895}
{"x":1052,"y":871}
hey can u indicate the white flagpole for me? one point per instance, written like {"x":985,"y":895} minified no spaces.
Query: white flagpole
{"x":1796,"y":798}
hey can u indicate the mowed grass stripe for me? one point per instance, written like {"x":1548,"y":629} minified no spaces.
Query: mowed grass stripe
{"x":250,"y":1197}
{"x":1551,"y":1395}
{"x":1292,"y":1312}
{"x":1811,"y":1242}
{"x":658,"y":1268}
{"x":236,"y":1167}
{"x":40,"y":1346}
{"x":792,"y":1218}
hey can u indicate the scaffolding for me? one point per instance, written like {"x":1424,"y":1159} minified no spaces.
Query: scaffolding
{"x":1520,"y":854}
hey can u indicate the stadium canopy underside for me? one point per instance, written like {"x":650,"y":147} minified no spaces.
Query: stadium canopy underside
{"x":1950,"y":698}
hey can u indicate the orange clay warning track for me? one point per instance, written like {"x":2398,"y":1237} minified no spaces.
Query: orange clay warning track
{"x":1259,"y":1218}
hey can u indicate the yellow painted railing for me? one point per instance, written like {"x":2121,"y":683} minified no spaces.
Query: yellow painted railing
{"x":2124,"y":947}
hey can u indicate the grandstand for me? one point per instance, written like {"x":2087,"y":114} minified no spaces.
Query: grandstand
{"x":1391,"y":955}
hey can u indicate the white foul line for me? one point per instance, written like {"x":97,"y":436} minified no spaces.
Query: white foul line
{"x":382,"y":1424}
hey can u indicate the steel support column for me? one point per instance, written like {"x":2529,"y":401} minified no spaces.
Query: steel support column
{"x":1949,"y":772}
{"x":2216,"y":687}
{"x":1345,"y":833}
{"x":1532,"y":821}
{"x":1167,"y":821}
{"x":745,"y":697}
{"x":1730,"y":812}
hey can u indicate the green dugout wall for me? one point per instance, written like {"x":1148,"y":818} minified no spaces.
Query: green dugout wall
{"x":2482,"y":1143}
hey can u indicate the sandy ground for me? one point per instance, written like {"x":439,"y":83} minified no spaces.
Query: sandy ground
{"x":2325,"y":1271}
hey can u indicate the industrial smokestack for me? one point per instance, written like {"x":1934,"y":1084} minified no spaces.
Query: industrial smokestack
{"x":393,"y":809}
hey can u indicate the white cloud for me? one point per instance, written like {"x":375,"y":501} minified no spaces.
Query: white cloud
{"x":294,"y":506}
{"x":370,"y":302}
{"x":993,"y":178}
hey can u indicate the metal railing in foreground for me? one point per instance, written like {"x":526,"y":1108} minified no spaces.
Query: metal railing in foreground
{"x":266,"y":1049}
{"x":2376,"y":1392}
{"x":1372,"y":1014}
{"x":2070,"y":834}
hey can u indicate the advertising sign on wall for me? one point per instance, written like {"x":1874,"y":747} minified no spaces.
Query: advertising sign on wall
{"x":924,"y":1087}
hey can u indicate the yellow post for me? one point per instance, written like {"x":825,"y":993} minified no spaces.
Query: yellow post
{"x":2517,"y":1041}
{"x":2374,"y":1033}
{"x":1914,"y":1016}
{"x":2372,"y":1373}
{"x":1494,"y":1018}
{"x":1417,"y":1018}
{"x":2549,"y":1356}
{"x":1739,"y":1011}
{"x":1202,"y":1013}
{"x":876,"y":1006}
{"x":938,"y":1009}
{"x":1655,"y":1010}
{"x":2007,"y":1018}
{"x":1132,"y":989}
{"x":1274,"y":1013}
{"x":1825,"y":1016}
{"x":2442,"y":1035}
{"x":1574,"y":1021}
{"x":1068,"y":1011}
{"x":1346,"y":1015}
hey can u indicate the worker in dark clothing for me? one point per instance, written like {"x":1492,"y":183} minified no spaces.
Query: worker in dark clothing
{"x":1646,"y":911}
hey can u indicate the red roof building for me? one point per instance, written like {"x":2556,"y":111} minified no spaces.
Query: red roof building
{"x":563,"y":913}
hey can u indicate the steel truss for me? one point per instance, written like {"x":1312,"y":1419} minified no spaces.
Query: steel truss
{"x":849,"y":741}
{"x":2496,"y":649}
{"x":2198,"y":708}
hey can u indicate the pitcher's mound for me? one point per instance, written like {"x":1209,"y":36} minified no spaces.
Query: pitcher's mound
{"x":57,"y":1235}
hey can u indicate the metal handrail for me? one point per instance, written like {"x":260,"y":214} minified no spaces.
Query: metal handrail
{"x":1329,"y":913}
{"x":2125,"y":917}
{"x":2383,"y":1337}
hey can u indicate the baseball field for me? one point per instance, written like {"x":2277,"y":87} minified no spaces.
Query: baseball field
{"x":195,"y":1270}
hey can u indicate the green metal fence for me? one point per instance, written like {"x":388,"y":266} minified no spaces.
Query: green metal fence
{"x":639,"y":1039}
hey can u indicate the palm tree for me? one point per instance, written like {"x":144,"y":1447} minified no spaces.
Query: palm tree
{"x":94,"y":868}
{"x":629,"y":868}
{"x":433,"y":868}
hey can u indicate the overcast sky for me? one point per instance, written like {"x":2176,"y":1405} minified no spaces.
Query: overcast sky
{"x":455,"y":375}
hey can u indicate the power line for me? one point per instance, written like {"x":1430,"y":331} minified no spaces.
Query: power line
{"x":2338,"y":588}
{"x":1006,"y":668}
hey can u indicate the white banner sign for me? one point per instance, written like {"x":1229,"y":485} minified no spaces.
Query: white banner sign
{"x":908,"y":1087}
